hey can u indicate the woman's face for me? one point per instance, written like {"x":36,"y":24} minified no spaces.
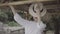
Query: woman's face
{"x":35,"y":18}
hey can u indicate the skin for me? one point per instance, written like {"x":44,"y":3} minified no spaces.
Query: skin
{"x":37,"y":19}
{"x":13,"y":10}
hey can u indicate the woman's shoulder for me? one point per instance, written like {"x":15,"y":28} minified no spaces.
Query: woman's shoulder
{"x":41,"y":25}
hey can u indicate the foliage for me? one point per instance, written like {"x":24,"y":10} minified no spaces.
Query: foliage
{"x":13,"y":23}
{"x":6,"y":17}
{"x":3,"y":16}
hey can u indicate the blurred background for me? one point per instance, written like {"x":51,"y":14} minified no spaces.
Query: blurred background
{"x":10,"y":26}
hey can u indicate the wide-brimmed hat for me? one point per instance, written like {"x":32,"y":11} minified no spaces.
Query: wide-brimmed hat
{"x":40,"y":7}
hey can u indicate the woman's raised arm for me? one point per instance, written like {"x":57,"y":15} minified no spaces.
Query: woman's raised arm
{"x":19,"y":19}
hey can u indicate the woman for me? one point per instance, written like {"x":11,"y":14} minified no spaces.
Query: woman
{"x":31,"y":27}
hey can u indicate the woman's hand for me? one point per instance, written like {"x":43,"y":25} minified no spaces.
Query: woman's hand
{"x":12,"y":8}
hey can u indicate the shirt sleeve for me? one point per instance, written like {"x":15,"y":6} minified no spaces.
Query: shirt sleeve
{"x":21,"y":21}
{"x":41,"y":25}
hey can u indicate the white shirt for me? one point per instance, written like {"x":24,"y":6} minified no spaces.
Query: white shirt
{"x":31,"y":27}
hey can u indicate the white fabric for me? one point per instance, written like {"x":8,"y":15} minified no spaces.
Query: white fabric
{"x":32,"y":13}
{"x":31,"y":27}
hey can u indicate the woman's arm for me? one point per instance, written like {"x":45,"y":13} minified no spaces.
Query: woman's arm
{"x":13,"y":10}
{"x":19,"y":19}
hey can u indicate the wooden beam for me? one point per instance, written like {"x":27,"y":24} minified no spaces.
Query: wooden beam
{"x":23,"y":2}
{"x":52,"y":6}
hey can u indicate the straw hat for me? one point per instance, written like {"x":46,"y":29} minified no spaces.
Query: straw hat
{"x":37,"y":7}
